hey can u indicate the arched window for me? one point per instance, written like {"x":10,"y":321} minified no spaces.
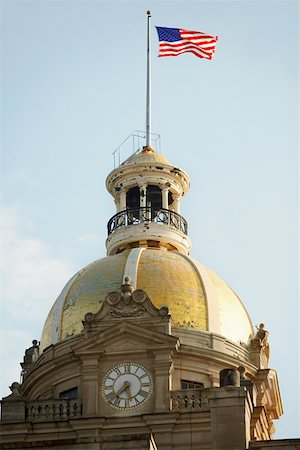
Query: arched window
{"x":133,"y":198}
{"x":154,"y":199}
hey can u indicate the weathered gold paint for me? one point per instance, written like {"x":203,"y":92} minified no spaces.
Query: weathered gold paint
{"x":46,"y":338}
{"x":147,"y":157}
{"x":90,"y":289}
{"x":170,"y":280}
{"x":233,"y":317}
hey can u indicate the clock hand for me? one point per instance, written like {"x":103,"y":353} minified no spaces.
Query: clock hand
{"x":129,"y":392}
{"x":122,"y":388}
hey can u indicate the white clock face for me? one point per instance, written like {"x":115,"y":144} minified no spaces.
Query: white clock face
{"x":127,"y":386}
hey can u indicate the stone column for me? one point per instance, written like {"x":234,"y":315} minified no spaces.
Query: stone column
{"x":176,"y":203}
{"x":122,"y":204}
{"x":90,"y":387}
{"x":163,"y":368}
{"x":165,"y":198}
{"x":143,"y":195}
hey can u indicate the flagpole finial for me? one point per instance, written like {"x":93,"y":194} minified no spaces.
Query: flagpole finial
{"x":149,"y":13}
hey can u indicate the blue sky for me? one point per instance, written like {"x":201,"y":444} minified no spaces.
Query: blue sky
{"x":73,"y":87}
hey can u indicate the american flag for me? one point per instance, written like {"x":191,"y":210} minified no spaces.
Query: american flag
{"x":174,"y":41}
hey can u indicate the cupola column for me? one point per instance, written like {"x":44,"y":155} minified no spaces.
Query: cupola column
{"x":143,"y":195}
{"x":164,"y":199}
{"x":176,"y":203}
{"x":122,"y":204}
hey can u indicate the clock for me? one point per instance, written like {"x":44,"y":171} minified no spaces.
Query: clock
{"x":127,"y":386}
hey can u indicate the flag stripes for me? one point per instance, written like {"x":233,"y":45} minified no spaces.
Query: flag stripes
{"x":174,"y":42}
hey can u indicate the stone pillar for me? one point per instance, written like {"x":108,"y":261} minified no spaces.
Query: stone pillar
{"x":176,"y":203}
{"x":122,"y":204}
{"x":163,"y":368}
{"x":231,"y":408}
{"x":143,"y":196}
{"x":90,"y":388}
{"x":165,"y":198}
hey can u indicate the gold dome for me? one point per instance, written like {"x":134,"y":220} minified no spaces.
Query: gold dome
{"x":196,"y":297}
{"x":146,"y":156}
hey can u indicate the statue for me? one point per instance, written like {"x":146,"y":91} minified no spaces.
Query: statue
{"x":261,"y":338}
{"x":31,"y":355}
{"x":262,"y":334}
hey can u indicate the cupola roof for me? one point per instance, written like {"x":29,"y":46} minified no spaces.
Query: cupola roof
{"x":147,"y":155}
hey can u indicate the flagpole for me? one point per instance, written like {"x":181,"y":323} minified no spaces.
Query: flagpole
{"x":148,"y":92}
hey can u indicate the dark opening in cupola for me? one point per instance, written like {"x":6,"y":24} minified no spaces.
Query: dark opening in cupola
{"x":154,"y":199}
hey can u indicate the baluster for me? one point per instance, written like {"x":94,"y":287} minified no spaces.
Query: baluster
{"x":174,"y":401}
{"x":42,"y":411}
{"x":61,"y":410}
{"x":68,"y":409}
{"x":54,"y":411}
{"x":47,"y":411}
{"x":181,"y":402}
{"x":75,"y":409}
{"x":29,"y":412}
{"x":187,"y":401}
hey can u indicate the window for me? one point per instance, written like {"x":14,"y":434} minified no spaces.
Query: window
{"x":69,"y":393}
{"x":191,"y":385}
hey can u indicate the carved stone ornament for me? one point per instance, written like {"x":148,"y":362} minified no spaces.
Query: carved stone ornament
{"x":127,"y":303}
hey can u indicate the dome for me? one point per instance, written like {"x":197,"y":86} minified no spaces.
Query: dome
{"x":196,"y":297}
{"x":146,"y":156}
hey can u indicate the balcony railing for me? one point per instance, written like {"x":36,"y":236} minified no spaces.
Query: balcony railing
{"x":147,"y":215}
{"x":44,"y":410}
{"x":189,"y":399}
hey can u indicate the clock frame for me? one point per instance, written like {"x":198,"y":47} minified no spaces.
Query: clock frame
{"x":127,"y":386}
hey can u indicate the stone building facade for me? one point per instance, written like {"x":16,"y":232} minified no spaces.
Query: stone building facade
{"x":146,"y":348}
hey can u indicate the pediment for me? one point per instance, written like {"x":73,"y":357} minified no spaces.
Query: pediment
{"x":127,"y":305}
{"x":126,"y":336}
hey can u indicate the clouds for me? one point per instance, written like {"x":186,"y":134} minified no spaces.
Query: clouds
{"x":32,"y":276}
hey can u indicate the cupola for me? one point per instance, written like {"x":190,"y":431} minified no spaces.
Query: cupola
{"x":147,"y":190}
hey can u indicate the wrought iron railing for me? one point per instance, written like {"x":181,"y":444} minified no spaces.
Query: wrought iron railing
{"x":44,"y":410}
{"x":147,"y":215}
{"x":190,"y":399}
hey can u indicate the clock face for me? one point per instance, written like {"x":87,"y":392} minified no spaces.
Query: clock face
{"x":127,"y":386}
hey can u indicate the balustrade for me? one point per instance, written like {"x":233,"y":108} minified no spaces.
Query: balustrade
{"x":147,"y":215}
{"x":191,"y":399}
{"x":44,"y":410}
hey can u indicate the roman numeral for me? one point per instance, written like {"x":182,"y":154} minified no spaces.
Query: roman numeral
{"x":143,"y":393}
{"x":127,"y":368}
{"x":110,"y":396}
{"x":116,"y":401}
{"x":136,"y":369}
{"x":133,"y":400}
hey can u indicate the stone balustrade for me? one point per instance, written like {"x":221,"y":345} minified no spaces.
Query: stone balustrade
{"x":45,"y":410}
{"x":190,"y":399}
